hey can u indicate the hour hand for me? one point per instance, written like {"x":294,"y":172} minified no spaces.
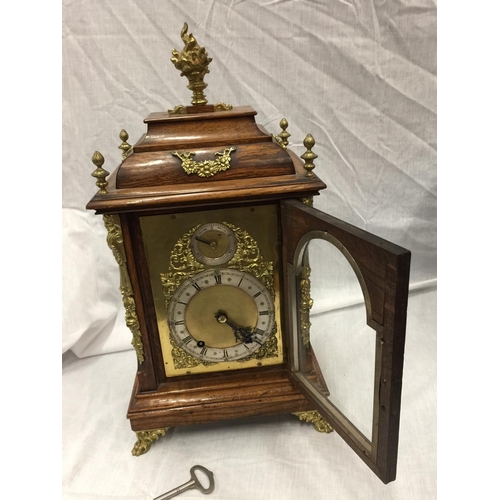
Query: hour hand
{"x":242,"y":333}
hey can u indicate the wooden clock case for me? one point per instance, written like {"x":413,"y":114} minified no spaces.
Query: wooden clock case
{"x":257,"y":170}
{"x":150,"y":181}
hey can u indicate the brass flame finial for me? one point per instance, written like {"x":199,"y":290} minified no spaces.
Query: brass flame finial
{"x":309,"y":156}
{"x":124,"y":146}
{"x":193,"y":63}
{"x":99,"y":173}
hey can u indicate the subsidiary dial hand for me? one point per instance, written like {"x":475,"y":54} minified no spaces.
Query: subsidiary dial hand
{"x":241,"y":333}
{"x":211,"y":244}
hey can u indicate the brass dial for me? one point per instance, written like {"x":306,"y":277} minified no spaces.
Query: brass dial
{"x":221,"y":315}
{"x":213,"y":244}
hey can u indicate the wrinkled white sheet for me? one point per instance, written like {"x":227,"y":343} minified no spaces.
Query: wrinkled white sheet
{"x":361,"y":78}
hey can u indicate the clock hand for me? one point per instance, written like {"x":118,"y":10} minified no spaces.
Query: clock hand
{"x":211,"y":244}
{"x":244,"y":333}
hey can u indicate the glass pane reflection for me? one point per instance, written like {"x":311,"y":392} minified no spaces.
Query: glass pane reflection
{"x":340,"y":358}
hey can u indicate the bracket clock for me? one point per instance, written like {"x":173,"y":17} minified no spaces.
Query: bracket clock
{"x":210,"y":218}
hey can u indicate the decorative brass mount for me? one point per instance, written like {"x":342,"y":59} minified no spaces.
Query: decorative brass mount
{"x":207,"y":168}
{"x":309,"y":156}
{"x":313,"y":417}
{"x":125,"y":147}
{"x":115,"y":242}
{"x":282,"y":138}
{"x":100,"y":173}
{"x":193,"y":63}
{"x":145,"y":439}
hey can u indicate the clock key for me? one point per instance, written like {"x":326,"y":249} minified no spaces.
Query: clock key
{"x":194,"y":482}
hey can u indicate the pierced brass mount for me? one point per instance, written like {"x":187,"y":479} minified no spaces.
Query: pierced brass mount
{"x":207,"y":168}
{"x":115,"y":243}
{"x":306,"y":302}
{"x":313,"y":417}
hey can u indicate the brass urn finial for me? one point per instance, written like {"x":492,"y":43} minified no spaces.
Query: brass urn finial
{"x":309,"y":156}
{"x":282,"y":138}
{"x":99,"y":173}
{"x":193,"y":63}
{"x":284,"y":135}
{"x":124,"y":146}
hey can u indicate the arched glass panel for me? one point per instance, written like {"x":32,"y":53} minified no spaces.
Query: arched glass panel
{"x":342,"y":345}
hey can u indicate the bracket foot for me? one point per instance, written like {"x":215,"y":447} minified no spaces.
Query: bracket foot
{"x":313,"y":417}
{"x":145,"y":439}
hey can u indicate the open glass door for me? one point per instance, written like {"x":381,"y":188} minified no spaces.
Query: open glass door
{"x":354,"y":377}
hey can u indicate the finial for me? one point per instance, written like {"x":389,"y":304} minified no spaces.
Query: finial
{"x":99,"y":173}
{"x":193,"y":63}
{"x":284,"y":135}
{"x":124,"y":146}
{"x":309,"y":156}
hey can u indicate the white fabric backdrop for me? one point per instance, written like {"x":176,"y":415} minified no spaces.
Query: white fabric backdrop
{"x":359,"y":76}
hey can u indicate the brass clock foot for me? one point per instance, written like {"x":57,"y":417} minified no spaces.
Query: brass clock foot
{"x":313,"y":417}
{"x":145,"y":440}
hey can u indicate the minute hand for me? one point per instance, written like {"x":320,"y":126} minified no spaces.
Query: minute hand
{"x":244,"y":333}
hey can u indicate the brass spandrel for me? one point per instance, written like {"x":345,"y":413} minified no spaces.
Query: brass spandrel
{"x":166,"y":238}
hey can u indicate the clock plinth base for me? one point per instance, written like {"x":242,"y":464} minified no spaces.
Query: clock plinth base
{"x":145,"y":439}
{"x":201,"y":399}
{"x":313,"y":417}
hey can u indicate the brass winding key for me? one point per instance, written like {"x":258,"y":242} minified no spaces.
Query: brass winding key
{"x":194,"y":482}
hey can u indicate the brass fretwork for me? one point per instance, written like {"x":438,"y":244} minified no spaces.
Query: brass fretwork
{"x":313,"y":417}
{"x":115,"y":242}
{"x":207,"y":168}
{"x":178,"y":110}
{"x":306,"y":301}
{"x":222,"y":106}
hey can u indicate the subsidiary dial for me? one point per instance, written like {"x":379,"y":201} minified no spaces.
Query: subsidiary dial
{"x":213,"y":244}
{"x":221,"y":315}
